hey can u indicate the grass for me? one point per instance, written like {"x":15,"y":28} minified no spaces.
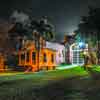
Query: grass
{"x":45,"y":76}
{"x":20,"y":86}
{"x":35,"y":86}
{"x":63,"y":64}
{"x":42,"y":77}
{"x":96,"y":68}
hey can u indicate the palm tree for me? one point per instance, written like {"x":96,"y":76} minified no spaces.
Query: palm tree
{"x":41,"y":28}
{"x":34,"y":29}
{"x":44,"y":28}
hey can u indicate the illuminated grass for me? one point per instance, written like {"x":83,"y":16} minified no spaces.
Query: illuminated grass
{"x":63,"y":64}
{"x":96,"y":68}
{"x":25,"y":86}
{"x":44,"y":75}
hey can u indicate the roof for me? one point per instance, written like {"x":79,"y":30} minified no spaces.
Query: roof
{"x":54,"y":45}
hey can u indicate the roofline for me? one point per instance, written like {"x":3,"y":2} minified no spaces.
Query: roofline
{"x":50,"y":49}
{"x":55,"y":42}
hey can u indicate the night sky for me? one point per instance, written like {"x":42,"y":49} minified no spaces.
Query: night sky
{"x":64,"y":14}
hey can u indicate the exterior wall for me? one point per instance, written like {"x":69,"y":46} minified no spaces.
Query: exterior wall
{"x":48,"y":63}
{"x":23,"y":61}
{"x":39,"y":61}
{"x":2,"y":60}
{"x":60,"y":51}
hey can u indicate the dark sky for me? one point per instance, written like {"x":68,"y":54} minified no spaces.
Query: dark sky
{"x":65,"y":14}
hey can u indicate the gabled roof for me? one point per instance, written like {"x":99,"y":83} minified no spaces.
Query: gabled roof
{"x":54,"y":45}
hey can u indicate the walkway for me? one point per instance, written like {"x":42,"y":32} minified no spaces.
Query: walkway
{"x":66,"y":67}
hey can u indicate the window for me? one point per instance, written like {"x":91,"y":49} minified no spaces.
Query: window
{"x":34,"y":57}
{"x":59,"y":54}
{"x":23,"y":56}
{"x":45,"y":57}
{"x":27,"y":54}
{"x":52,"y":58}
{"x":63,"y":53}
{"x":77,"y":58}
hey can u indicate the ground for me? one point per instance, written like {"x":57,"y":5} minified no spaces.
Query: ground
{"x":68,"y":84}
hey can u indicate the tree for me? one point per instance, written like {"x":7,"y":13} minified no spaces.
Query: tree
{"x":30,"y":28}
{"x":90,"y":25}
{"x":89,"y":28}
{"x":41,"y":28}
{"x":6,"y":44}
{"x":44,"y":28}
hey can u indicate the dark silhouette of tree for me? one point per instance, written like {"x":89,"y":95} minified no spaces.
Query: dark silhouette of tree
{"x":6,"y":44}
{"x":89,"y":30}
{"x":90,"y":25}
{"x":41,"y":28}
{"x":44,"y":28}
{"x":29,"y":28}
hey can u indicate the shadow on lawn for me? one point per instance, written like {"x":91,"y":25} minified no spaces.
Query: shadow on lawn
{"x":94,"y":74}
{"x":75,"y":88}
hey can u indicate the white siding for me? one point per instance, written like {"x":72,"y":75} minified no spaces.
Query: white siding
{"x":60,"y":51}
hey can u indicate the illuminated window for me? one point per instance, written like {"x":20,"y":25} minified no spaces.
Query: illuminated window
{"x":76,"y":57}
{"x":27,"y":54}
{"x":45,"y":57}
{"x":23,"y":56}
{"x":52,"y":58}
{"x":34,"y":57}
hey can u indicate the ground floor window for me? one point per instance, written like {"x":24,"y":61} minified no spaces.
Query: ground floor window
{"x":45,"y":57}
{"x":52,"y":58}
{"x":34,"y":57}
{"x":77,"y":58}
{"x":23,"y":56}
{"x":28,"y":54}
{"x":76,"y":54}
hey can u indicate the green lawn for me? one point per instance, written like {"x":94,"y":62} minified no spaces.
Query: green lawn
{"x":63,"y":64}
{"x":20,"y":86}
{"x":48,"y":75}
{"x":45,"y":75}
{"x":96,"y":68}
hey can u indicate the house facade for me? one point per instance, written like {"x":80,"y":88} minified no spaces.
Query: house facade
{"x":35,"y":60}
{"x":2,"y":62}
{"x":60,"y":51}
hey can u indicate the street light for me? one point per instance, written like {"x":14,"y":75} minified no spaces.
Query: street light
{"x":82,"y":45}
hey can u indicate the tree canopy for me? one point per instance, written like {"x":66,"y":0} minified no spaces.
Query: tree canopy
{"x":89,"y":26}
{"x":25,"y":25}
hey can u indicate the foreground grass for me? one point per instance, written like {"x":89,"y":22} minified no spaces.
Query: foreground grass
{"x":96,"y":68}
{"x":23,"y":86}
{"x":49,"y":75}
